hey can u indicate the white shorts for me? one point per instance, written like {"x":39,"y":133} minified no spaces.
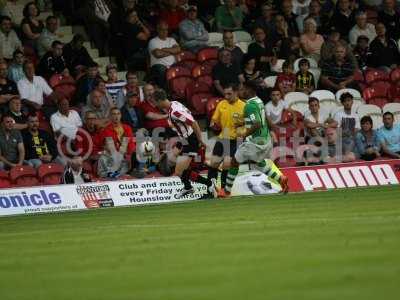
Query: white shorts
{"x":250,"y":152}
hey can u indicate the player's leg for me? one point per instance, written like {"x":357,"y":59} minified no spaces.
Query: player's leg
{"x":183,"y":172}
{"x":216,"y":159}
{"x":240,"y":157}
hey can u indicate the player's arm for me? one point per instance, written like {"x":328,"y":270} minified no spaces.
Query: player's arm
{"x":252,"y":121}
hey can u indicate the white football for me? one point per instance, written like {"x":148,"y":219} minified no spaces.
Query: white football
{"x":147,"y":148}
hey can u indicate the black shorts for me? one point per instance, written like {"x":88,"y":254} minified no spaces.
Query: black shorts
{"x":224,"y":147}
{"x":190,"y":145}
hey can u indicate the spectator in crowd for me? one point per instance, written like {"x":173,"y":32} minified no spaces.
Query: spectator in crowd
{"x":249,"y":71}
{"x":31,"y":26}
{"x":131,"y":112}
{"x":86,"y":83}
{"x":153,"y":116}
{"x":315,"y":13}
{"x":227,"y":118}
{"x":39,"y":145}
{"x":207,"y":10}
{"x":53,"y":62}
{"x":384,"y":51}
{"x":15,"y":111}
{"x":362,"y":28}
{"x":97,"y":104}
{"x":367,"y":144}
{"x":9,"y":41}
{"x":310,"y":41}
{"x":194,"y":35}
{"x":87,"y":139}
{"x":317,"y":120}
{"x":228,"y":16}
{"x":16,"y":70}
{"x":362,"y":53}
{"x":329,"y":46}
{"x":12,"y":151}
{"x":65,"y":121}
{"x":389,"y":136}
{"x":32,"y":88}
{"x":95,"y":15}
{"x":305,"y":81}
{"x":100,"y":85}
{"x":390,"y":17}
{"x":280,"y":40}
{"x":162,"y":51}
{"x":348,"y":121}
{"x":225,"y":71}
{"x":290,"y":17}
{"x":74,"y":172}
{"x":119,"y":136}
{"x":336,"y":152}
{"x":229,"y":44}
{"x":172,"y":16}
{"x":261,"y":52}
{"x":275,"y":108}
{"x":132,"y":85}
{"x":135,"y":38}
{"x":266,"y":20}
{"x":343,"y":19}
{"x":338,"y":73}
{"x":286,"y":80}
{"x":111,"y":164}
{"x":48,"y":36}
{"x":113,"y":84}
{"x":8,"y":88}
{"x":76,"y":55}
{"x":301,"y":7}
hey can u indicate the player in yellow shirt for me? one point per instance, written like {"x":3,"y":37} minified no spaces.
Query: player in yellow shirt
{"x":228,"y":117}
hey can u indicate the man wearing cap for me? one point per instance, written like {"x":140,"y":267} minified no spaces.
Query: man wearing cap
{"x":193,"y":34}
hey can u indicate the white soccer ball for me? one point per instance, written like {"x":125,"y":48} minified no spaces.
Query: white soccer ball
{"x":147,"y":148}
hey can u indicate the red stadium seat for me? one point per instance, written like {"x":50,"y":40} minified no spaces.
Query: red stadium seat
{"x":204,"y":69}
{"x":185,"y":55}
{"x":178,"y":86}
{"x":57,"y":79}
{"x":395,"y":75}
{"x":210,"y":63}
{"x":5,"y":181}
{"x":377,"y":90}
{"x":378,"y":101}
{"x":359,"y":76}
{"x":50,"y":174}
{"x":66,"y":90}
{"x":195,"y":88}
{"x":188,"y":64}
{"x":174,"y":72}
{"x":207,"y":54}
{"x":24,"y":176}
{"x":199,"y":103}
{"x":207,"y":79}
{"x":375,"y":75}
{"x":394,"y":93}
{"x":211,"y":106}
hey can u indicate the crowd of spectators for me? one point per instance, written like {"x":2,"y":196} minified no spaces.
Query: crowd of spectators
{"x":336,"y":37}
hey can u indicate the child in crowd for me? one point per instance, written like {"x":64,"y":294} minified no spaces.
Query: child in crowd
{"x":305,"y":81}
{"x":286,"y":81}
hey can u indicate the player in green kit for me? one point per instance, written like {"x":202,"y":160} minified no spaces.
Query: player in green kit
{"x":257,"y":145}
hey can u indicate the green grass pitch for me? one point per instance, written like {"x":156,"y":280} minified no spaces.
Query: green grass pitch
{"x":326,"y":245}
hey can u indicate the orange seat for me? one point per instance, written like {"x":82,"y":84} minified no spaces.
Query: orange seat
{"x":50,"y":173}
{"x":24,"y":176}
{"x":207,"y":54}
{"x":178,"y":86}
{"x":185,"y":55}
{"x":174,"y":72}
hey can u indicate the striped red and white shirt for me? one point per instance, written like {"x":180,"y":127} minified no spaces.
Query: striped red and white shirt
{"x":180,"y":119}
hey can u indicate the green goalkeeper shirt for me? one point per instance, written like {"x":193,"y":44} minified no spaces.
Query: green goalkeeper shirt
{"x":254,"y":113}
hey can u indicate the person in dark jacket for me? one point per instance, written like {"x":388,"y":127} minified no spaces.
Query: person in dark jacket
{"x":86,"y":84}
{"x":76,"y":55}
{"x":74,"y":172}
{"x":39,"y":145}
{"x":131,"y":113}
{"x":53,"y":61}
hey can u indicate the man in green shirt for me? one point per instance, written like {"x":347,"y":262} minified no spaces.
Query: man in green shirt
{"x":257,"y":145}
{"x":228,"y":16}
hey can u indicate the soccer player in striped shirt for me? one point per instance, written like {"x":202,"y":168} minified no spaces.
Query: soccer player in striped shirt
{"x":182,"y":122}
{"x":257,"y":145}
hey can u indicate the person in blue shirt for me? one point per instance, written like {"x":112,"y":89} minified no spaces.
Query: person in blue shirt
{"x":367,"y":144}
{"x":389,"y":136}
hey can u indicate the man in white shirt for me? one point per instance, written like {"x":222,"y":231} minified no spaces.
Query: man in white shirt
{"x":316,"y":120}
{"x":162,"y":51}
{"x":48,"y":35}
{"x":361,"y":28}
{"x":348,"y":122}
{"x":9,"y":41}
{"x":32,"y":88}
{"x":275,"y":108}
{"x":65,"y":121}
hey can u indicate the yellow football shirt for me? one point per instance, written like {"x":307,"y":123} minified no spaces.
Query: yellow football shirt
{"x":229,"y":117}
